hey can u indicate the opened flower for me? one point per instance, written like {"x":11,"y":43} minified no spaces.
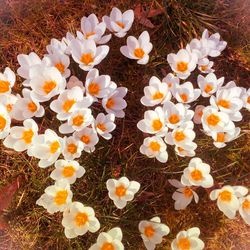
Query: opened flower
{"x":205,"y":66}
{"x":172,"y":81}
{"x":7,"y":81}
{"x":72,"y":148}
{"x":8,"y":101}
{"x":244,"y":209}
{"x":5,"y":122}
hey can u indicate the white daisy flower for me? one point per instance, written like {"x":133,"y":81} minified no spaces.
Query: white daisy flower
{"x":229,"y":101}
{"x":156,"y":93}
{"x":114,"y":102}
{"x":214,"y":120}
{"x":172,"y":81}
{"x":153,"y":122}
{"x":92,"y":29}
{"x":119,"y":23}
{"x":176,"y":114}
{"x":182,"y":63}
{"x":209,"y":84}
{"x":244,"y":209}
{"x":73,"y":82}
{"x":138,"y":49}
{"x":183,"y":196}
{"x":110,"y":240}
{"x":22,"y":138}
{"x":88,"y":137}
{"x":8,"y":101}
{"x":154,"y":147}
{"x":7,"y":81}
{"x":198,"y":112}
{"x":72,"y":148}
{"x":185,"y":93}
{"x":27,"y":107}
{"x":227,"y":199}
{"x":46,"y":82}
{"x":69,"y":101}
{"x":104,"y":124}
{"x":56,"y":198}
{"x":205,"y":66}
{"x":188,"y":240}
{"x":67,"y":170}
{"x":98,"y":86}
{"x":220,"y":138}
{"x":152,"y":231}
{"x":197,"y":174}
{"x":5,"y":122}
{"x":79,"y":219}
{"x":86,"y":54}
{"x":47,"y":147}
{"x":122,"y":190}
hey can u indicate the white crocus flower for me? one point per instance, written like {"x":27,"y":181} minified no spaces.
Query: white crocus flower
{"x":172,"y":81}
{"x":176,"y":114}
{"x":8,"y":101}
{"x":154,"y":147}
{"x":198,"y":112}
{"x":188,"y":240}
{"x":197,"y":174}
{"x":209,"y":84}
{"x":205,"y":66}
{"x":79,"y":219}
{"x":156,"y":93}
{"x":22,"y":137}
{"x":227,"y":199}
{"x":138,"y":49}
{"x":67,"y":170}
{"x":122,"y":190}
{"x":88,"y":137}
{"x":47,"y":147}
{"x":119,"y":23}
{"x":5,"y":122}
{"x":7,"y":81}
{"x":110,"y":240}
{"x":153,"y":122}
{"x":114,"y":103}
{"x":246,"y":99}
{"x":27,"y":107}
{"x":92,"y":29}
{"x":56,"y":46}
{"x":77,"y":121}
{"x":229,"y":101}
{"x":87,"y":54}
{"x":199,"y":47}
{"x":186,"y":150}
{"x":244,"y":209}
{"x":56,"y":197}
{"x":152,"y":231}
{"x":185,"y":93}
{"x":104,"y":124}
{"x":183,"y":195}
{"x":182,"y":63}
{"x":72,"y":148}
{"x":75,"y":82}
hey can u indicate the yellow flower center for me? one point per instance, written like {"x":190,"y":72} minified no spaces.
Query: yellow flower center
{"x":182,"y":66}
{"x":149,"y":231}
{"x":184,"y":97}
{"x":180,"y":149}
{"x":94,"y":88}
{"x":87,"y":58}
{"x":213,"y":120}
{"x":220,"y":137}
{"x":32,"y":107}
{"x":4,"y":86}
{"x":72,"y":148}
{"x":196,"y":175}
{"x":2,"y":122}
{"x":54,"y":146}
{"x":248,"y":99}
{"x":155,"y":146}
{"x":246,"y":204}
{"x":225,"y":196}
{"x":68,"y":171}
{"x":67,"y":105}
{"x":61,"y":197}
{"x":89,"y":34}
{"x":121,"y":24}
{"x":170,"y":84}
{"x":187,"y":192}
{"x":49,"y":86}
{"x":224,"y":103}
{"x":157,"y":95}
{"x":60,"y":67}
{"x":107,"y":246}
{"x":179,"y":136}
{"x":157,"y":124}
{"x":184,"y":244}
{"x":173,"y":119}
{"x":28,"y":136}
{"x":9,"y":107}
{"x":120,"y":191}
{"x":78,"y":120}
{"x":110,"y":103}
{"x":204,"y":67}
{"x":101,"y":126}
{"x":139,"y":53}
{"x":208,"y":88}
{"x":81,"y":219}
{"x":85,"y":139}
{"x":200,"y":113}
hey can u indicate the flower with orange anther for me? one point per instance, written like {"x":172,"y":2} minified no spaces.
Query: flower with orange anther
{"x":7,"y":81}
{"x":5,"y":122}
{"x":244,"y":209}
{"x":72,"y":148}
